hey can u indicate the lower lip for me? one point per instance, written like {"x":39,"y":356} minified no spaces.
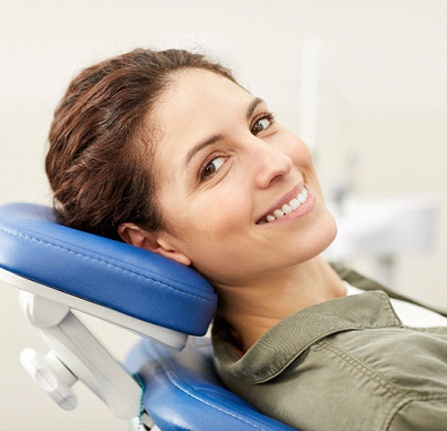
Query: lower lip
{"x":301,"y":211}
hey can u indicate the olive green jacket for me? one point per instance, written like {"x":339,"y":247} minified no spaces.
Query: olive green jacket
{"x":345,"y":364}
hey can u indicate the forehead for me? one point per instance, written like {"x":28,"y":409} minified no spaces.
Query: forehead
{"x":197,"y":103}
{"x":197,"y":90}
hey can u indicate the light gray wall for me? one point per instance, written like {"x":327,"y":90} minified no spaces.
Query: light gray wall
{"x":382,"y":96}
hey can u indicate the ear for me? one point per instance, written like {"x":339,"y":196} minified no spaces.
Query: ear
{"x":155,"y":242}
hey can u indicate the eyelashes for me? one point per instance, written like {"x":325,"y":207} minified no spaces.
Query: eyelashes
{"x":211,"y":166}
{"x":262,"y":123}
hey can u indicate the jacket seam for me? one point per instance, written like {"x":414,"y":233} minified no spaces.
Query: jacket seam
{"x":402,"y":398}
{"x":392,"y":416}
{"x":367,"y":371}
{"x":389,"y":418}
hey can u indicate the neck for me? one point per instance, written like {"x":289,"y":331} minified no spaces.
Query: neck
{"x":254,"y":307}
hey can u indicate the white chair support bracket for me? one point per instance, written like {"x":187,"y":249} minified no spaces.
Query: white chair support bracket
{"x":75,"y":354}
{"x":52,"y":376}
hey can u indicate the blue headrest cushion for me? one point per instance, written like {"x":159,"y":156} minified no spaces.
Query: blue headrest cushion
{"x":122,"y":277}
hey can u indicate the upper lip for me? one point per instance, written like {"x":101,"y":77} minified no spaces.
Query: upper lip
{"x":285,"y":199}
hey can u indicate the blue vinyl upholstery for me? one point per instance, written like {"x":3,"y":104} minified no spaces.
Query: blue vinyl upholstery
{"x":124,"y":278}
{"x":183,"y":392}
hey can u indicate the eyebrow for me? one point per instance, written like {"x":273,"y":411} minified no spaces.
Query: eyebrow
{"x":215,"y":138}
{"x":251,"y":108}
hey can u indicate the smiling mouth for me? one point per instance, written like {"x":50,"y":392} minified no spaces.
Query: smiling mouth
{"x":287,"y":208}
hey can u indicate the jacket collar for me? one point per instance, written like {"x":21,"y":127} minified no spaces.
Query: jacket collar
{"x":290,"y":338}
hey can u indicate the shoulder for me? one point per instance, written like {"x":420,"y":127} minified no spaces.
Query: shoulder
{"x":355,"y":371}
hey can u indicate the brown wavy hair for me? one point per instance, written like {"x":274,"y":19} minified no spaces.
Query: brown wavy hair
{"x":102,"y":140}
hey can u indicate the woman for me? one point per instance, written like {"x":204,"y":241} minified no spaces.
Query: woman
{"x":165,"y":151}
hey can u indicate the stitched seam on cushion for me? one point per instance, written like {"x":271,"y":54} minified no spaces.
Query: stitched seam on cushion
{"x":171,"y":372}
{"x":215,"y":406}
{"x":135,"y":274}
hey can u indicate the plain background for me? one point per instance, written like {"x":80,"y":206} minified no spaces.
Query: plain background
{"x":382,"y":106}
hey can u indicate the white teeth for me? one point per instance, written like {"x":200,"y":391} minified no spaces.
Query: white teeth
{"x":294,"y":204}
{"x":278,"y":213}
{"x":286,"y":209}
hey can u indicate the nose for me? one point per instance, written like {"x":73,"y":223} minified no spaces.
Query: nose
{"x":270,"y":164}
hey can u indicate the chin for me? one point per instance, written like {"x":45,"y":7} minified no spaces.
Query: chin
{"x":327,"y":232}
{"x":334,"y":232}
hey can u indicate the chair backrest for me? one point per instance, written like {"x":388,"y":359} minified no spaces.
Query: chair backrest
{"x":183,"y":392}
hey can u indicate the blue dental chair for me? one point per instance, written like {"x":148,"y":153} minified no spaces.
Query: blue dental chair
{"x":168,"y":382}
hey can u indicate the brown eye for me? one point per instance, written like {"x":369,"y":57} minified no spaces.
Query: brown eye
{"x":262,"y":124}
{"x":212,"y":167}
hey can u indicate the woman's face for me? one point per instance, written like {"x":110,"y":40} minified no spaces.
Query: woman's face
{"x":238,"y":193}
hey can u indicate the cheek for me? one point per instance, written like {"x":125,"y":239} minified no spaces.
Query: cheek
{"x":209,"y":218}
{"x":222,"y":211}
{"x":301,"y":154}
{"x":291,"y":145}
{"x":303,"y":159}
